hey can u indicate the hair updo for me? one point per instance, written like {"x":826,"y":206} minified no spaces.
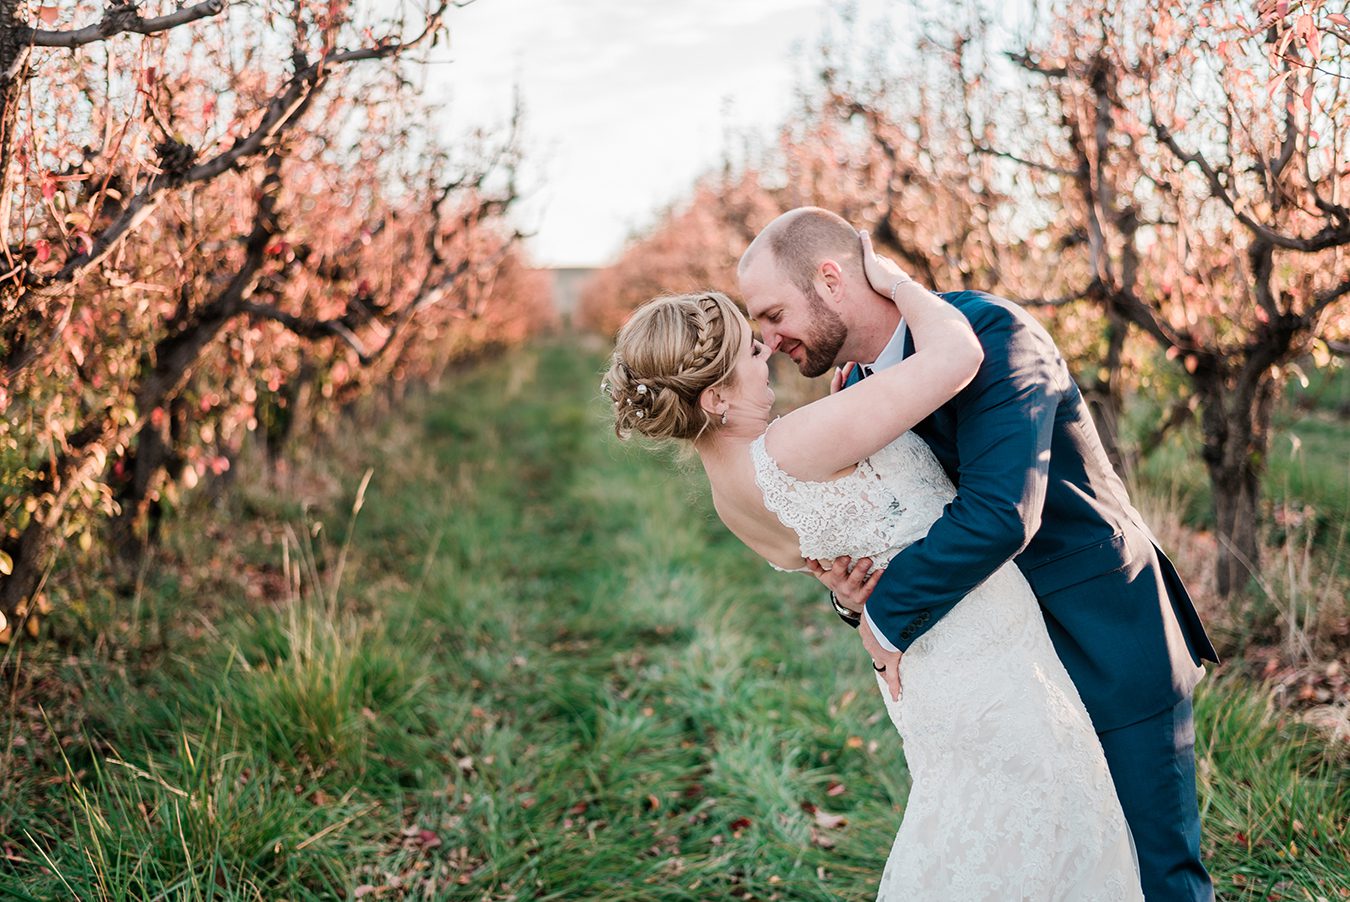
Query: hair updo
{"x":669,"y":351}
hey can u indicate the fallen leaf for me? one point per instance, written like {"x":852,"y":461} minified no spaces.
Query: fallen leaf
{"x":830,"y":821}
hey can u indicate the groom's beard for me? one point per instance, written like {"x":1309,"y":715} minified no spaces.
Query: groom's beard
{"x":821,"y":345}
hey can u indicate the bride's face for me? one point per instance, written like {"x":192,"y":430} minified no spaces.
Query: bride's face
{"x":747,"y":391}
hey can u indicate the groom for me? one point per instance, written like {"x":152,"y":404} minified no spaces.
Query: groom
{"x":1033,"y":485}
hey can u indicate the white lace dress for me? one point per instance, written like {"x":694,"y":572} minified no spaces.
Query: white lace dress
{"x":1011,"y":796}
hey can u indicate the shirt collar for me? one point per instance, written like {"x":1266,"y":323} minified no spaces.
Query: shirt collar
{"x":894,"y":351}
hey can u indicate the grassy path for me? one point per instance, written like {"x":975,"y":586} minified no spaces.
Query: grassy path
{"x":547,"y":673}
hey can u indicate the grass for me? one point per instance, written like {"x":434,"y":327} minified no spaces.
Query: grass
{"x":545,"y":672}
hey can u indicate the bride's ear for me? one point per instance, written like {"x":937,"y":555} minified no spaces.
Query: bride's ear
{"x":710,"y":400}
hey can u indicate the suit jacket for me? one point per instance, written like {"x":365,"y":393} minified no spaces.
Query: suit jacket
{"x":1034,"y":485}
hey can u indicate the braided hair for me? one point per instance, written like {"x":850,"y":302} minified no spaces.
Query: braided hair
{"x":666,"y":355}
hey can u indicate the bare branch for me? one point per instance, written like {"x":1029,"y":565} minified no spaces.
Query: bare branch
{"x":1061,"y":301}
{"x":1180,"y":411}
{"x":1031,"y":64}
{"x":1326,"y":299}
{"x":118,"y":19}
{"x":307,"y":328}
{"x":1329,"y":236}
{"x":1030,"y":164}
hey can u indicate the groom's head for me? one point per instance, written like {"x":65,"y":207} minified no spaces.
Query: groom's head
{"x":802,"y":281}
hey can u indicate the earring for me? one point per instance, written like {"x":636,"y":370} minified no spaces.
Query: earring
{"x":724,"y":418}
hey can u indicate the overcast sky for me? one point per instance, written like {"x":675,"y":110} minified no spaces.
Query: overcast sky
{"x":627,"y":101}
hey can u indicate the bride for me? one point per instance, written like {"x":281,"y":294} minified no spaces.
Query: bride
{"x":1011,"y":795}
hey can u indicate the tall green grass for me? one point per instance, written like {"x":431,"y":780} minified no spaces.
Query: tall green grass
{"x":545,"y":672}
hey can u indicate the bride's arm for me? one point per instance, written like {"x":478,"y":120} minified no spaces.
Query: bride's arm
{"x":820,"y":439}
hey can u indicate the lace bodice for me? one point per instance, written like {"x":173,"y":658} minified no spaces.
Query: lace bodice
{"x":888,"y":501}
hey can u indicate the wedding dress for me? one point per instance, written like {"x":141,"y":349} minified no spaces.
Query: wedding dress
{"x":1011,"y":796}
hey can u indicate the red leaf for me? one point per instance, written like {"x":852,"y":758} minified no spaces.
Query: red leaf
{"x":740,"y":823}
{"x":1339,"y":19}
{"x":48,"y":14}
{"x":44,"y":250}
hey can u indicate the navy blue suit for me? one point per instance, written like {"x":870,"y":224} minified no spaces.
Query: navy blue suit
{"x":1034,"y":485}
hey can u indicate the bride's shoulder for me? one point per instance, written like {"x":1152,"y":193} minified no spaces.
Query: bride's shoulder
{"x":791,"y":445}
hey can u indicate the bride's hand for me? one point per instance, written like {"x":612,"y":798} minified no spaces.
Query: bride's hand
{"x":883,"y":273}
{"x":840,"y":377}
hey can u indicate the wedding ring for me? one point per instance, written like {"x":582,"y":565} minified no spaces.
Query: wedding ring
{"x":881,"y":669}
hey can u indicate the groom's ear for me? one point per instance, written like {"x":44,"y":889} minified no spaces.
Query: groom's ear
{"x":830,"y":281}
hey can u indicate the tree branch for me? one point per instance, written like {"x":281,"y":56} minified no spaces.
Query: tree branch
{"x":118,"y":19}
{"x":307,"y":328}
{"x":1030,"y":164}
{"x":1028,"y":62}
{"x":1329,"y":236}
{"x":1180,"y":412}
{"x":1060,"y":301}
{"x":1326,"y":299}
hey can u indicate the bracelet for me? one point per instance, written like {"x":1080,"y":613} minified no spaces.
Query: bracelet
{"x":896,"y":287}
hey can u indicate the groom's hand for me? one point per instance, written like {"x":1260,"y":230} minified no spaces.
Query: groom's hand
{"x":882,"y":658}
{"x":850,"y":588}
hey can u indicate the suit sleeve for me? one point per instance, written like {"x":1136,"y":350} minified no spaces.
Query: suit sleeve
{"x":1004,"y":422}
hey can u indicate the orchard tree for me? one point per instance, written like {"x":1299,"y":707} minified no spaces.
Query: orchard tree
{"x":194,"y":219}
{"x":1202,"y":150}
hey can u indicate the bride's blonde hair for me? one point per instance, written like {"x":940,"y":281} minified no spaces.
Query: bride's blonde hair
{"x":665,"y":356}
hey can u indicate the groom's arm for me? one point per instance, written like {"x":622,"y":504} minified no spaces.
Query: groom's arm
{"x":1004,"y":421}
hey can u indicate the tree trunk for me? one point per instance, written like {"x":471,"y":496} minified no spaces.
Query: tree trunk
{"x":1104,"y":396}
{"x":31,"y":551}
{"x":136,"y":527}
{"x":13,"y":64}
{"x":1236,"y":423}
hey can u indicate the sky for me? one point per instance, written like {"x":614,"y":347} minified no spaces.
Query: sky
{"x":627,"y":102}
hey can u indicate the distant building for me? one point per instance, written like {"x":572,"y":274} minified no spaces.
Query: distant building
{"x":567,"y":282}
